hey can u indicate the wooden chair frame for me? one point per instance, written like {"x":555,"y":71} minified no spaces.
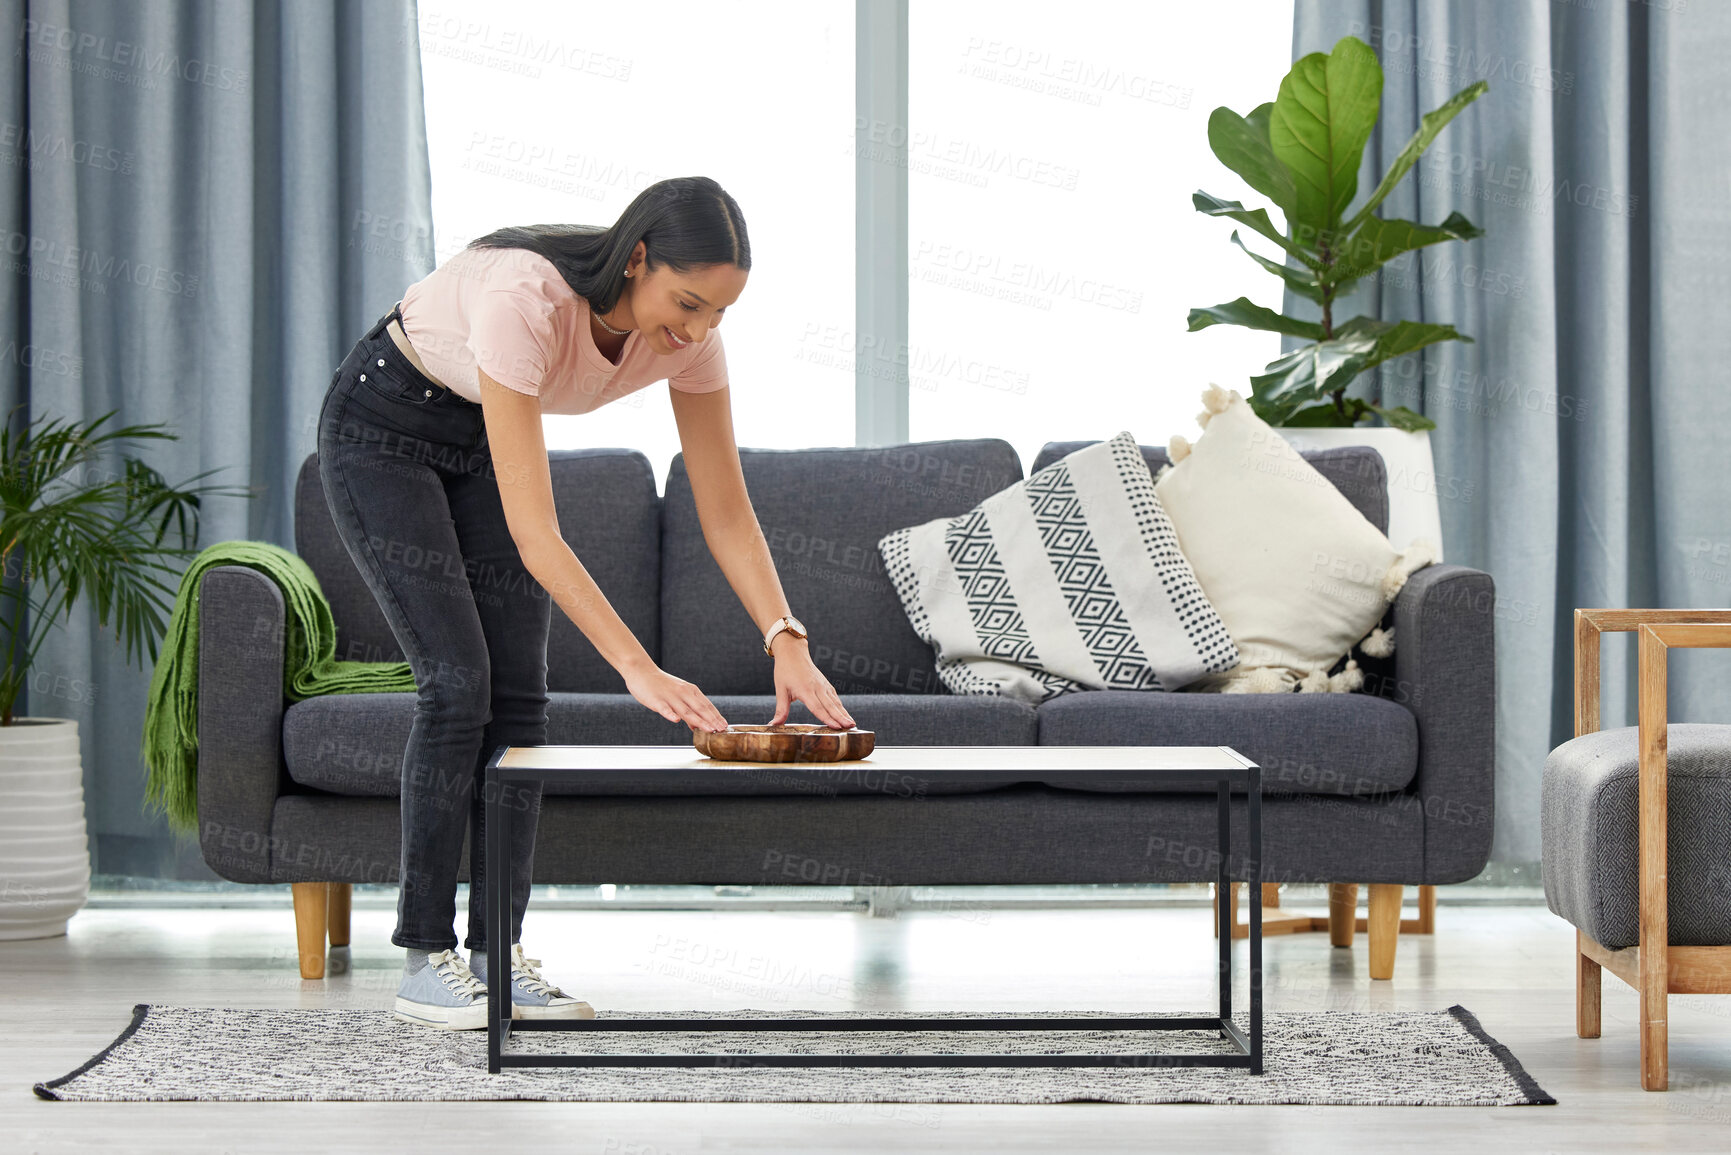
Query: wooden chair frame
{"x":1653,"y":966}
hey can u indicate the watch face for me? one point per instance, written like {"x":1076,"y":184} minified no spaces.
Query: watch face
{"x":798,"y":626}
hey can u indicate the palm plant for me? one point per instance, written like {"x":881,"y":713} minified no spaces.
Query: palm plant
{"x":1302,"y":152}
{"x":68,"y":529}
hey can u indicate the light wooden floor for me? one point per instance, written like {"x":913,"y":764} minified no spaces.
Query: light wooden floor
{"x":66,"y":998}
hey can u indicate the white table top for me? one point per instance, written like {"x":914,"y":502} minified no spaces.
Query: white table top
{"x":1043,"y":760}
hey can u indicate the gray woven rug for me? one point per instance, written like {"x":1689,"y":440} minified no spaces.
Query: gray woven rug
{"x":1412,"y":1058}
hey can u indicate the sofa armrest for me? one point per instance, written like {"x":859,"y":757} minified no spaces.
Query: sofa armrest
{"x":241,"y":618}
{"x":1445,"y":673}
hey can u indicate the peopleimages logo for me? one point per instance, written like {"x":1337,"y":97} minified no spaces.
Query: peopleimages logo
{"x":1432,"y":58}
{"x":1499,"y":181}
{"x":24,"y":145}
{"x":1070,"y":75}
{"x":510,"y":49}
{"x":45,"y":255}
{"x":977,"y":267}
{"x":935,"y":153}
{"x":42,"y":359}
{"x":33,"y":34}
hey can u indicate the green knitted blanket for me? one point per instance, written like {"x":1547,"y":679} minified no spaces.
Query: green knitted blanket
{"x":310,"y":668}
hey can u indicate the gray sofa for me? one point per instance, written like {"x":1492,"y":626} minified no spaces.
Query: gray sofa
{"x":1392,"y":784}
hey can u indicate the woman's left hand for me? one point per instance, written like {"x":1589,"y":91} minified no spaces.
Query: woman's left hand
{"x":798,"y":679}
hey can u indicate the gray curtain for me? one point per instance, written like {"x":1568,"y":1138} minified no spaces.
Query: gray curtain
{"x":203,"y":205}
{"x":1581,"y":446}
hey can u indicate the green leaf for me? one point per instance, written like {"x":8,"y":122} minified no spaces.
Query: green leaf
{"x":1351,"y":410}
{"x":1258,"y":119}
{"x":1256,"y":219}
{"x":1244,"y":311}
{"x":1398,"y":338}
{"x":1311,"y":373}
{"x":1242,"y":146}
{"x":1326,"y":415}
{"x":1327,"y":105}
{"x":1402,"y":418}
{"x":1429,"y":125}
{"x":1378,"y":241}
{"x":71,"y":527}
{"x":1296,"y":279}
{"x":1307,"y":374}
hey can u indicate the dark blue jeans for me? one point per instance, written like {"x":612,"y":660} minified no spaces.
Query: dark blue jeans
{"x":410,"y":482}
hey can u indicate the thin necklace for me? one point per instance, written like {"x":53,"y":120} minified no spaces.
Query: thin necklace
{"x":610,"y":328}
{"x":618,"y":333}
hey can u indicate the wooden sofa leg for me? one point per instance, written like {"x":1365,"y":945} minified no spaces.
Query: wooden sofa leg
{"x":1342,"y":912}
{"x":1384,"y":927}
{"x":337,"y":912}
{"x":337,"y":927}
{"x":1587,"y":973}
{"x":310,"y":918}
{"x":1427,"y":910}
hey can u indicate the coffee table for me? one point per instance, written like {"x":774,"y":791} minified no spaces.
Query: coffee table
{"x":682,"y":767}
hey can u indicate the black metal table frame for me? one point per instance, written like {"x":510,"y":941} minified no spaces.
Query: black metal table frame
{"x":1247,"y":1044}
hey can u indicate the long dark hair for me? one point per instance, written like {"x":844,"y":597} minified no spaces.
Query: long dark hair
{"x":684,"y":222}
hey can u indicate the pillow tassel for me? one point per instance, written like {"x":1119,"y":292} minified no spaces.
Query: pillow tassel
{"x":1178,"y":448}
{"x":1261,"y":680}
{"x":1379,"y":643}
{"x":1348,"y":680}
{"x":1214,"y":400}
{"x":1418,"y":555}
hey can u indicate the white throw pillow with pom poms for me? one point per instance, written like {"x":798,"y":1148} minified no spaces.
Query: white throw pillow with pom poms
{"x":1296,"y":573}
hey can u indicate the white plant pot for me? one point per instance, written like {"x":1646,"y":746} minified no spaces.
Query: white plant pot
{"x":1413,"y":508}
{"x":44,"y":856}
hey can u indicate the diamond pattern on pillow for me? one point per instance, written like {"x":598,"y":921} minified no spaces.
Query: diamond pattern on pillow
{"x":1069,"y":580}
{"x":1094,"y":607}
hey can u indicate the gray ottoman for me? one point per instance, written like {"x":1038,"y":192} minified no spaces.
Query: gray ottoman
{"x":1589,"y":831}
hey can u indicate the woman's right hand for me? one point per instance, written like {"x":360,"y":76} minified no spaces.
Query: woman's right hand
{"x":674,"y":698}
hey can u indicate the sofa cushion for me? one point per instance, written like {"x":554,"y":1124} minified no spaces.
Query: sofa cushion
{"x":822,"y":512}
{"x":610,"y":515}
{"x":1358,"y":471}
{"x":363,"y":635}
{"x":1589,"y":822}
{"x":1346,"y":744}
{"x":353,"y":744}
{"x":1071,"y":580}
{"x":608,"y":512}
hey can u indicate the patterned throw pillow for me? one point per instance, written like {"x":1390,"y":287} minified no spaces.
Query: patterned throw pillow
{"x":1068,"y":580}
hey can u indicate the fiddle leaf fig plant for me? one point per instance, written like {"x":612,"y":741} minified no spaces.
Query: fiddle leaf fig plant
{"x":68,"y":529}
{"x":1302,"y":152}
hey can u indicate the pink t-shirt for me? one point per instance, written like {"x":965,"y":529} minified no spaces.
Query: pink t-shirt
{"x":509,"y":312}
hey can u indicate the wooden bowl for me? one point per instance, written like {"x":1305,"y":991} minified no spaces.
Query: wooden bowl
{"x":785,"y":743}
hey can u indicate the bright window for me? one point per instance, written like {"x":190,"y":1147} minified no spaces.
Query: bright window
{"x":548,"y":111}
{"x":1053,"y":249}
